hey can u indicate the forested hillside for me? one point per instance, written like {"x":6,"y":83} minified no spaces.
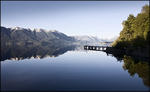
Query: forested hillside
{"x":136,"y":32}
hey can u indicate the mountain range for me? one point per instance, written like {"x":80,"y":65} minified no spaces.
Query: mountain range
{"x":22,"y":37}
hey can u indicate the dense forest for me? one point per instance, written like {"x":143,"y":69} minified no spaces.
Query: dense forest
{"x":135,"y":33}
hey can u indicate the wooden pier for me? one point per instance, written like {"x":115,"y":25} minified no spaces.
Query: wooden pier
{"x":96,"y":48}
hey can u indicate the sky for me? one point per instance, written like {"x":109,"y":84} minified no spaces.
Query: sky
{"x":93,"y":18}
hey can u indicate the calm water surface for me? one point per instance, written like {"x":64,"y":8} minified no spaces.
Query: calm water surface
{"x":73,"y":70}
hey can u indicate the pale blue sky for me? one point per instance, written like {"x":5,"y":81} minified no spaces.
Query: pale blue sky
{"x":96,"y":18}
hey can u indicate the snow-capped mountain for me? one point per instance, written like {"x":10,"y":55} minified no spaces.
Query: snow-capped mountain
{"x":23,"y":36}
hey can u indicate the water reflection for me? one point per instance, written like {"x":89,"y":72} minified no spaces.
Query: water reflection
{"x":141,"y":68}
{"x":23,"y":52}
{"x":135,"y":65}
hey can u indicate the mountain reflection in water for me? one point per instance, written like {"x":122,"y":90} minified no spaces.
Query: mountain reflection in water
{"x":19,"y":52}
{"x":130,"y":64}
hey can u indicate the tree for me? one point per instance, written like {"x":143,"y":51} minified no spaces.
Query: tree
{"x":135,"y":30}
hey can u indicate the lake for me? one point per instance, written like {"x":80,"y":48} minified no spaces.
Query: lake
{"x":74,"y":70}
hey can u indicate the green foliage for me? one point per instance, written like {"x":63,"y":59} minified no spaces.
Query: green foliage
{"x":135,"y":31}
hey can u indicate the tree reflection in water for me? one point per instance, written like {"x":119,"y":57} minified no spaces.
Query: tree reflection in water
{"x":137,"y":67}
